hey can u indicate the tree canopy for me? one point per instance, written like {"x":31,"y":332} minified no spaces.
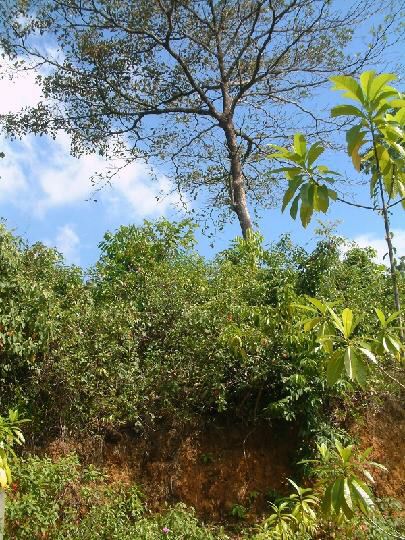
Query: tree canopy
{"x":200,"y":86}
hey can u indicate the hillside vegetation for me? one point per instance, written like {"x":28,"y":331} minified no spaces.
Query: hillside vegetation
{"x":155,"y":339}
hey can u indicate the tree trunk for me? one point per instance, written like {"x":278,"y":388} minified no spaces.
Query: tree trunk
{"x":393,"y":271}
{"x":2,"y":511}
{"x":237,"y":190}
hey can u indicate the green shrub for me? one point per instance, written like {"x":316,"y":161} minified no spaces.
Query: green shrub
{"x":59,"y":500}
{"x":155,"y":331}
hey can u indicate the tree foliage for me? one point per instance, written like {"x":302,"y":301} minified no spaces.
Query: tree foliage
{"x":201,"y":85}
{"x":156,"y":332}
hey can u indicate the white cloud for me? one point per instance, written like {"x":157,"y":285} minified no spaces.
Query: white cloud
{"x":39,"y":173}
{"x":379,"y":244}
{"x":67,"y":242}
{"x":20,"y":92}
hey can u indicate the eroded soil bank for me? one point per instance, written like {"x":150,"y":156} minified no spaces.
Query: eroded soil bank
{"x":212,"y":469}
{"x":215,"y":467}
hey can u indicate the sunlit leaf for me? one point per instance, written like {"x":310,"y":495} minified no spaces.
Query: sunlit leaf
{"x":346,"y":110}
{"x":378,"y":83}
{"x":314,"y":152}
{"x":300,"y":145}
{"x":350,"y":86}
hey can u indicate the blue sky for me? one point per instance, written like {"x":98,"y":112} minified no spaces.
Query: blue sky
{"x":47,"y":195}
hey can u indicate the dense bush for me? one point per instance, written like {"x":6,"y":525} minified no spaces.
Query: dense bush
{"x":154,"y":330}
{"x":59,"y":500}
{"x":62,"y":499}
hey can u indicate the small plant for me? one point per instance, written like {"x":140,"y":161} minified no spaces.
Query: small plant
{"x":10,"y":436}
{"x":342,"y":475}
{"x":238,"y":511}
{"x":206,"y":459}
{"x":293,"y":516}
{"x":348,"y":350}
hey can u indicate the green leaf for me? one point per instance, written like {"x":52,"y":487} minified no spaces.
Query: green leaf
{"x":321,"y":199}
{"x":392,"y":317}
{"x":336,"y":321}
{"x":381,"y":317}
{"x":378,"y":466}
{"x":289,"y":194}
{"x":355,"y":368}
{"x":309,"y":324}
{"x":346,"y":453}
{"x":397,"y":103}
{"x":294,"y":207}
{"x":314,"y":152}
{"x":347,"y":319}
{"x":354,"y":136}
{"x":300,"y":145}
{"x":350,"y":87}
{"x":396,"y":345}
{"x":368,"y":354}
{"x":326,"y":505}
{"x":365,"y":78}
{"x":347,"y":494}
{"x":378,"y":83}
{"x":306,"y":212}
{"x":346,"y":110}
{"x":332,"y":194}
{"x":384,"y":159}
{"x":363,"y":494}
{"x":369,"y":476}
{"x":337,"y":495}
{"x":318,"y":304}
{"x":335,"y":367}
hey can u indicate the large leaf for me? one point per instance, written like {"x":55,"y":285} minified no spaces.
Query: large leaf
{"x":336,"y":321}
{"x":307,"y":203}
{"x":314,"y":152}
{"x":362,"y":494}
{"x":347,"y":319}
{"x":355,"y":367}
{"x":368,"y":354}
{"x":378,"y":83}
{"x":321,"y":199}
{"x":335,"y":367}
{"x":346,"y":110}
{"x":337,"y":494}
{"x":350,"y":86}
{"x":381,"y":317}
{"x":306,"y":212}
{"x":355,"y":138}
{"x":293,"y":185}
{"x":365,"y":79}
{"x":294,"y":207}
{"x":300,"y":145}
{"x":309,"y":324}
{"x":348,"y":507}
{"x":317,"y":303}
{"x":384,"y":160}
{"x":397,"y":103}
{"x":326,"y":505}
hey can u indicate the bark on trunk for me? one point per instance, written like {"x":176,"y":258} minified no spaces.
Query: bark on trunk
{"x":237,"y":185}
{"x":393,"y":271}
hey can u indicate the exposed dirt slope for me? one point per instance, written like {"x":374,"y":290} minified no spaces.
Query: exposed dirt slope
{"x":383,"y":429}
{"x":221,"y":465}
{"x":211,"y":470}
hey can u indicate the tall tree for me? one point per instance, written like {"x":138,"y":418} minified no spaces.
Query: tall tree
{"x":202,"y":85}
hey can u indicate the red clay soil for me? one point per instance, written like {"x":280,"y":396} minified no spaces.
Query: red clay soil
{"x":218,"y":466}
{"x":383,"y":429}
{"x":211,"y":469}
